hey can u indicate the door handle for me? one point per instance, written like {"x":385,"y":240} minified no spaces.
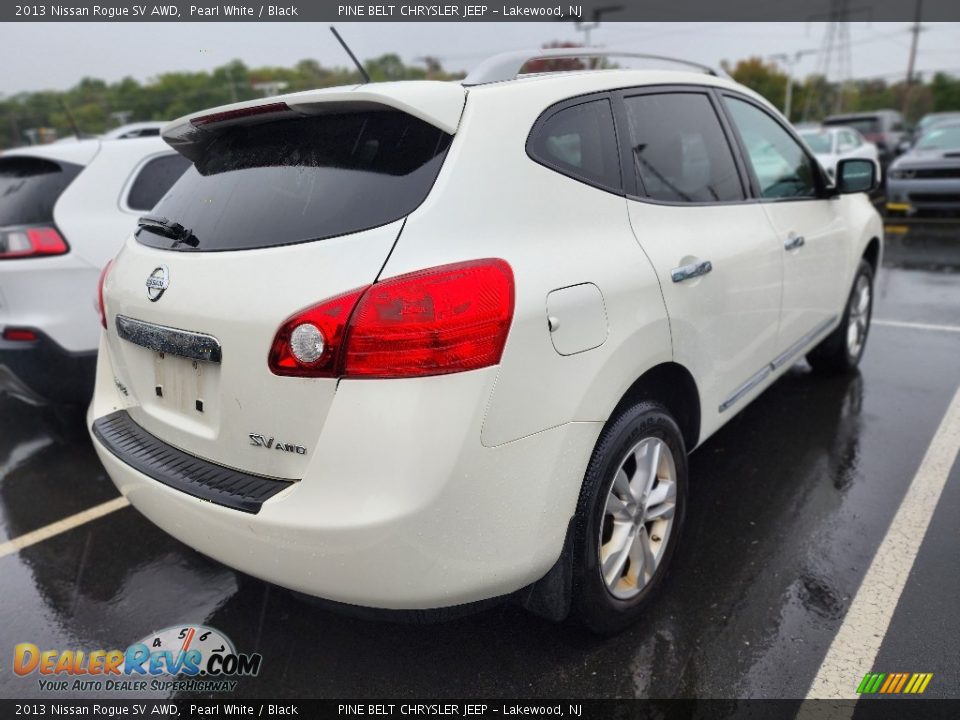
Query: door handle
{"x":794,"y":241}
{"x":685,"y":272}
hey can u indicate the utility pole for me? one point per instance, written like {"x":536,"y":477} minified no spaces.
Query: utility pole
{"x":790,"y":61}
{"x":586,"y":27}
{"x":915,"y":31}
{"x":911,"y":63}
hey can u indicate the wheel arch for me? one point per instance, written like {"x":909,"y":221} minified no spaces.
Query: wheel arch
{"x":673,"y":386}
{"x":872,"y":253}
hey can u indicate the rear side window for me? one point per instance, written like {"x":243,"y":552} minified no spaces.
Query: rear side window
{"x":292,"y":181}
{"x":680,"y":151}
{"x":154,"y":179}
{"x":580,"y":142}
{"x":29,"y":188}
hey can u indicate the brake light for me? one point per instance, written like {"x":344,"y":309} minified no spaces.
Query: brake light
{"x":19,"y":334}
{"x":100,"y":304}
{"x":443,"y":320}
{"x":266,"y":109}
{"x":23,"y":242}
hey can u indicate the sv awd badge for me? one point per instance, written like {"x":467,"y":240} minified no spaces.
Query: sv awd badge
{"x":269,"y":444}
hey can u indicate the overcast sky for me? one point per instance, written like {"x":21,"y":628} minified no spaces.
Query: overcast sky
{"x":37,"y":56}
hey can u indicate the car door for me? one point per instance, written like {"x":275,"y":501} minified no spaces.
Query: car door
{"x":718,"y":264}
{"x":807,"y":224}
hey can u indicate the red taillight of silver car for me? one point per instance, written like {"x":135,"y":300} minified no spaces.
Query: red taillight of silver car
{"x":437,"y":321}
{"x":31,"y":241}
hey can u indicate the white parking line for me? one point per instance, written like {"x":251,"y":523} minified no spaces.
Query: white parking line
{"x":918,"y":326}
{"x":61,"y":526}
{"x":855,"y":647}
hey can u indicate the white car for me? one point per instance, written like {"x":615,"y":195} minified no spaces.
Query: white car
{"x":65,"y":210}
{"x":835,"y":143}
{"x":422,"y":345}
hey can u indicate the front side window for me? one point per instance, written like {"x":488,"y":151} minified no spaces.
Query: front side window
{"x":679,"y":150}
{"x":782,"y":168}
{"x":580,"y":142}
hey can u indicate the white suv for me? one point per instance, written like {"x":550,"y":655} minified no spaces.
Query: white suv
{"x":421,"y":345}
{"x":65,"y":209}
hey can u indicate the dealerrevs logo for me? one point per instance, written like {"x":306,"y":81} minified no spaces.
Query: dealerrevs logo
{"x":192,"y":651}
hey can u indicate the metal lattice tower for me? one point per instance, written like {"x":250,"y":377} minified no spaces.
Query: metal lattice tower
{"x":834,"y":54}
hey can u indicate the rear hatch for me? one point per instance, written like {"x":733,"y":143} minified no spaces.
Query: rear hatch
{"x":29,"y":189}
{"x":285,"y":206}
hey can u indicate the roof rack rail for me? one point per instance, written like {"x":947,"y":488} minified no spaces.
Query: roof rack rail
{"x":507,"y":66}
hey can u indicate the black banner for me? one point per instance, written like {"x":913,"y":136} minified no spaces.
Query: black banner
{"x":488,"y":709}
{"x":481,"y":11}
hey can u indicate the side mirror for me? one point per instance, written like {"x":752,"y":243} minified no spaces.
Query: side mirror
{"x":856,"y":176}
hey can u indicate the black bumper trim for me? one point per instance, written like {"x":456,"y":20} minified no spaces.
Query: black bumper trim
{"x":166,"y":464}
{"x":42,"y":371}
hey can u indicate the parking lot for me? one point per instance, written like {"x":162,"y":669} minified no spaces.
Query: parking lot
{"x":790,"y":503}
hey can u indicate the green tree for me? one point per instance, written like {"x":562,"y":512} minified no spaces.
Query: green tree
{"x":762,"y":77}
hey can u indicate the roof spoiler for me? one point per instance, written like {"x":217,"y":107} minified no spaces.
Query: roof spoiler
{"x":507,"y":66}
{"x":437,"y":103}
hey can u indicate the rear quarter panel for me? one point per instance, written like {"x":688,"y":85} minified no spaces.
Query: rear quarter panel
{"x":492,"y":200}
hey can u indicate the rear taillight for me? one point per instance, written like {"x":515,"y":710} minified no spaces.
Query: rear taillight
{"x":100,"y":305}
{"x":21,"y":242}
{"x":432,"y":322}
{"x":19,"y":334}
{"x":329,"y":320}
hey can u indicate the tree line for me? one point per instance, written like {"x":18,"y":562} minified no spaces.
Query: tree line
{"x":94,"y":106}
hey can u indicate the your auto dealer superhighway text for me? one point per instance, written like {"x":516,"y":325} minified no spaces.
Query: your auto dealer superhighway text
{"x":454,"y":709}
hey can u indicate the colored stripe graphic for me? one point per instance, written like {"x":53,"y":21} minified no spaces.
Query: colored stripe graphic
{"x":894,"y":683}
{"x":891,"y":680}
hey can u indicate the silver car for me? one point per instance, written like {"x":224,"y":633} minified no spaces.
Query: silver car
{"x":927,"y":178}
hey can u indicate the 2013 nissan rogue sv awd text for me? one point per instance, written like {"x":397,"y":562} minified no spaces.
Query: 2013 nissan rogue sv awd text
{"x":422,"y":345}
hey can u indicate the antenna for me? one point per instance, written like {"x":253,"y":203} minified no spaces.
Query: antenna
{"x":73,"y":122}
{"x":366,"y":78}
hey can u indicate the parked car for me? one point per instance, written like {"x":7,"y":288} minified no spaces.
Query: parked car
{"x":833,"y":144}
{"x":458,"y":346}
{"x":927,"y":178}
{"x":65,"y":209}
{"x":932,"y":119}
{"x":884,"y":128}
{"x":148,"y":128}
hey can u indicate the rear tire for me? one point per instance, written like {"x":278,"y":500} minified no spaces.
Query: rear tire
{"x":841,"y":350}
{"x":629,"y":517}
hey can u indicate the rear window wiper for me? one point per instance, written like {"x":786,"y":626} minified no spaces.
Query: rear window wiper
{"x":167,"y":228}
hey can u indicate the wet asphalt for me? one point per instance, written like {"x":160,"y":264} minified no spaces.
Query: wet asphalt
{"x":789,"y":504}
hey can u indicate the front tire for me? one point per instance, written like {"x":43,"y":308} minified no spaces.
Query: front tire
{"x":629,"y":517}
{"x":842,"y":349}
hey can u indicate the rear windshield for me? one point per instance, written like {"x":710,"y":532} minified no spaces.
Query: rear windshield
{"x":820,"y":143}
{"x":866,"y":125}
{"x":29,"y":188}
{"x":294,"y":181}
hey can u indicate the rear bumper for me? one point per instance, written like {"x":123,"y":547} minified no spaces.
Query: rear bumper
{"x":401,"y":507}
{"x":43,"y":372}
